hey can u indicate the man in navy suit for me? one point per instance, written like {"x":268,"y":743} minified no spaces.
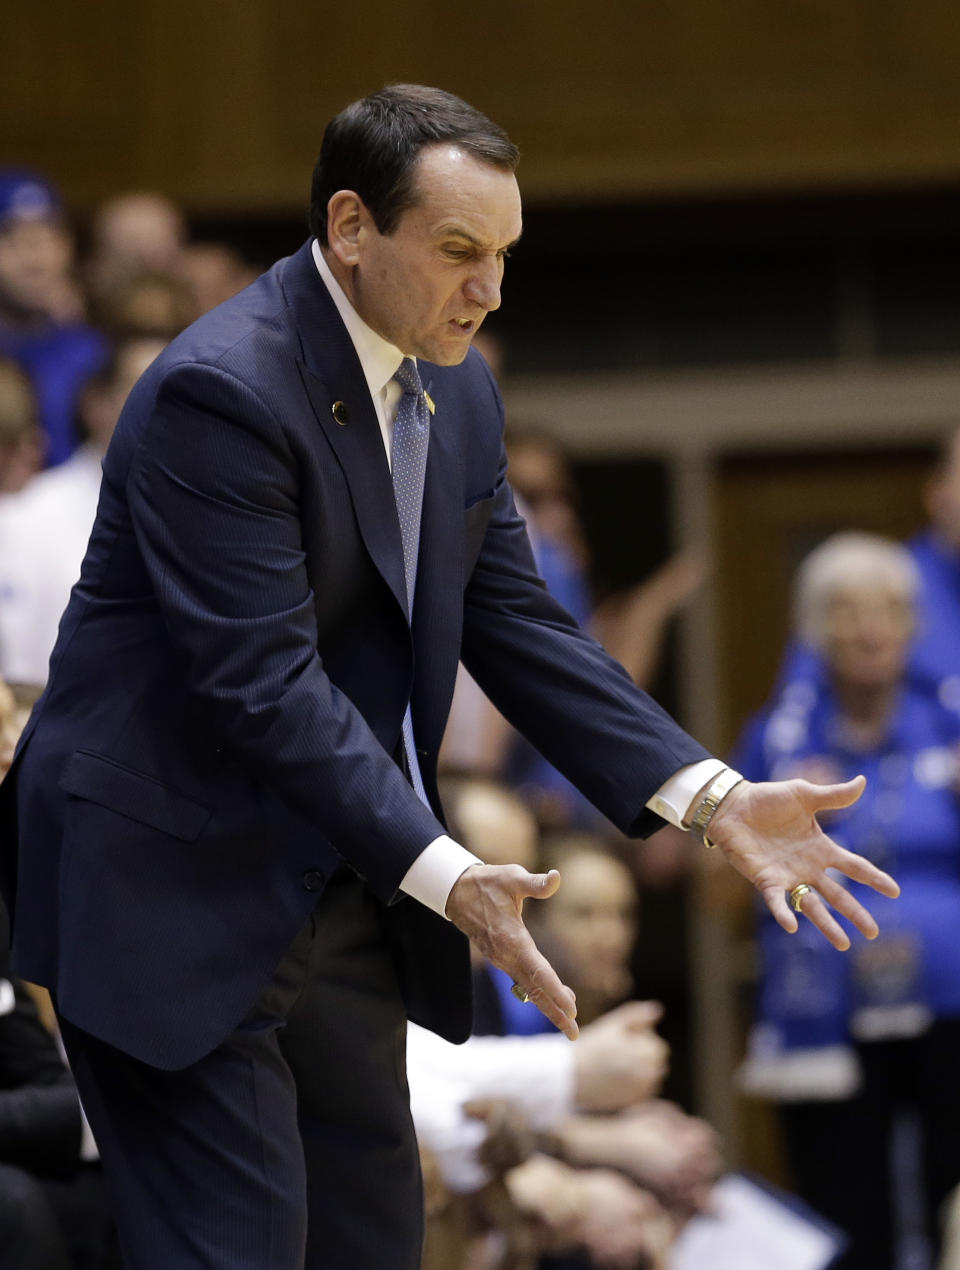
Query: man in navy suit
{"x":233,"y":873}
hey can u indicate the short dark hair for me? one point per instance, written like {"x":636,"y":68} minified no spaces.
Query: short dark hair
{"x":372,"y":148}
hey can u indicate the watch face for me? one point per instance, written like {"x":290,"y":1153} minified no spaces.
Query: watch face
{"x":706,"y":809}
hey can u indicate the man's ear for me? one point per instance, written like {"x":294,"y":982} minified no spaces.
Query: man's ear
{"x":346,"y":214}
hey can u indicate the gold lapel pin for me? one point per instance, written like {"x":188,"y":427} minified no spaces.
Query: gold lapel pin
{"x":340,"y":412}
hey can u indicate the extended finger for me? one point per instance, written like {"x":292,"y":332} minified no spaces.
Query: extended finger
{"x":817,"y":912}
{"x":538,"y":979}
{"x":775,"y":900}
{"x":861,"y":870}
{"x":841,"y":899}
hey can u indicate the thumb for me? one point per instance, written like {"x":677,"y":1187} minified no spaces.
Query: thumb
{"x":833,"y":797}
{"x":637,"y":1016}
{"x":540,"y":886}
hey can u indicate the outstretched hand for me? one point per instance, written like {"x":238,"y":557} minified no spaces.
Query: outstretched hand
{"x":769,"y":833}
{"x":486,"y":903}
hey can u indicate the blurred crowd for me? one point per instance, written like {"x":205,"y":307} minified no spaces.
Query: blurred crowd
{"x":859,"y":1052}
{"x":537,"y":1153}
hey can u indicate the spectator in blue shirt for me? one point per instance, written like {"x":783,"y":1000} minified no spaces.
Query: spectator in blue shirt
{"x":934,"y":661}
{"x":41,"y":326}
{"x":843,"y":1042}
{"x":935,"y":657}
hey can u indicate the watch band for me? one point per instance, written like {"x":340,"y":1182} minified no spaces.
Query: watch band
{"x":711,"y":799}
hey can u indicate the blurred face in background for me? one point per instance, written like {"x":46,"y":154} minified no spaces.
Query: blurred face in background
{"x":495,"y":825}
{"x":212,"y":273}
{"x":943,"y":496}
{"x":137,"y":233}
{"x":36,"y":257}
{"x":867,"y":630}
{"x":102,"y":401}
{"x":540,"y":474}
{"x":589,"y":927}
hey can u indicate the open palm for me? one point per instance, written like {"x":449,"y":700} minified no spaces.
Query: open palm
{"x":769,"y":833}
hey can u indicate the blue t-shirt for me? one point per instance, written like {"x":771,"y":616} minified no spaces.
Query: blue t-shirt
{"x":907,"y":822}
{"x":935,"y":654}
{"x":59,"y":360}
{"x":519,"y":1018}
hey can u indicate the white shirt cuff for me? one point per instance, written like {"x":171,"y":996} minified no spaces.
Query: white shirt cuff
{"x":673,"y":799}
{"x":431,"y":877}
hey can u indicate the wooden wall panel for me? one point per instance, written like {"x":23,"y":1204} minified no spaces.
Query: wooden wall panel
{"x":70,"y":97}
{"x":770,"y":512}
{"x":222,"y":103}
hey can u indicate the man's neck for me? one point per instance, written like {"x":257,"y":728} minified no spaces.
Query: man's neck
{"x":342,"y":273}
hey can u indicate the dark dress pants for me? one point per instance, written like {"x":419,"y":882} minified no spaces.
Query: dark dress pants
{"x":290,"y":1146}
{"x":840,"y":1153}
{"x":30,"y":1237}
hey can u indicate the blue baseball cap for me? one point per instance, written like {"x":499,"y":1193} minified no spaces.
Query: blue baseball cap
{"x":26,"y":195}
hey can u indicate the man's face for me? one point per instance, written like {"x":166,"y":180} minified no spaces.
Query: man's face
{"x":428,"y":284}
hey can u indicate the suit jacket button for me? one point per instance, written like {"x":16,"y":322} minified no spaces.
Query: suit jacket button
{"x":340,"y":412}
{"x":313,"y":880}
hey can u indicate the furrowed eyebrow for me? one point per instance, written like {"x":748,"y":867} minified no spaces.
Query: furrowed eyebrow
{"x":456,"y":231}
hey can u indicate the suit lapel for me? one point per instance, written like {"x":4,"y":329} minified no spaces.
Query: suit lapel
{"x":358,"y":445}
{"x":334,"y":382}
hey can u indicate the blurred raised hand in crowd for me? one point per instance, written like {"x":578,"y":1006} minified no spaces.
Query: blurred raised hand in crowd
{"x":631,"y":624}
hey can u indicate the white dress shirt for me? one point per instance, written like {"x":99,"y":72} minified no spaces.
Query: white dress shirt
{"x":43,"y":536}
{"x":431,"y":877}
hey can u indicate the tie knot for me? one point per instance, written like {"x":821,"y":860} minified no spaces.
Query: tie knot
{"x":408,"y":377}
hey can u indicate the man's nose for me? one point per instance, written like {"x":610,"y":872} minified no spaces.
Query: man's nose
{"x":483,"y":285}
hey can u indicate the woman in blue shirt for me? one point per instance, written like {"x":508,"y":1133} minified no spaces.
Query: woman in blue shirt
{"x":845,"y":1043}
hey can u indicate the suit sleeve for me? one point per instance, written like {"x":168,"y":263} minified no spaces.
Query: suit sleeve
{"x":213,"y":495}
{"x":558,"y":686}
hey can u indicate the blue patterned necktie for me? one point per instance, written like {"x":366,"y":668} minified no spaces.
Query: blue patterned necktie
{"x":411,"y":439}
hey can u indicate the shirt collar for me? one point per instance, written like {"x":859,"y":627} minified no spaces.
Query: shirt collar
{"x":379,"y":359}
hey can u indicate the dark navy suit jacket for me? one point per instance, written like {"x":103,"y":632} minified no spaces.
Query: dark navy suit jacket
{"x":222,"y":721}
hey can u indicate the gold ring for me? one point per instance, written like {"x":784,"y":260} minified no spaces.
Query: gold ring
{"x":520,"y":994}
{"x":797,"y":896}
